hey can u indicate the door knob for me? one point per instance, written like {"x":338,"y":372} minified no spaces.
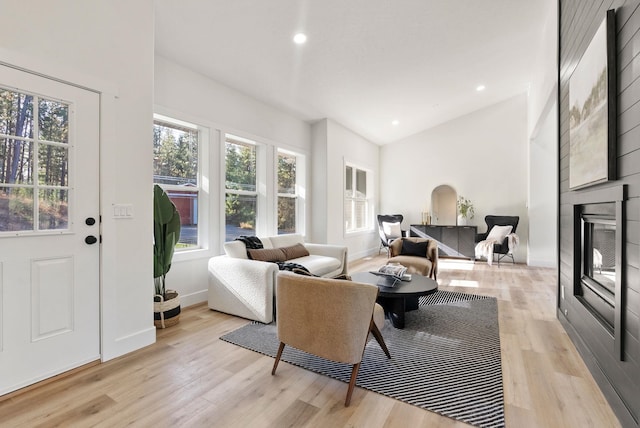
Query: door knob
{"x":90,"y":221}
{"x":90,"y":239}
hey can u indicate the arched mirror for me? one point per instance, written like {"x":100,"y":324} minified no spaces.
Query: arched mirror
{"x":443,"y":205}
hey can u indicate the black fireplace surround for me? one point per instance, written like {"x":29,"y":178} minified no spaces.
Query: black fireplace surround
{"x":596,"y":288}
{"x":599,"y":257}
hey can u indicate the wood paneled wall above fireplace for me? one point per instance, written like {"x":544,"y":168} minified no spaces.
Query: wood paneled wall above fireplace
{"x":604,"y":323}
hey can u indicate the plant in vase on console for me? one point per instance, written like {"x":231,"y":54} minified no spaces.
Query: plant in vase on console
{"x":166,"y":234}
{"x":465,"y":211}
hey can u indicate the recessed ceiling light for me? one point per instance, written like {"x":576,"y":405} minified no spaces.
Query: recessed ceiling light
{"x":480,"y":88}
{"x":300,"y":38}
{"x":395,"y":122}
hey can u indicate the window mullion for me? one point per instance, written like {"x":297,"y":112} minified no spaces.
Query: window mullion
{"x":36,"y":164}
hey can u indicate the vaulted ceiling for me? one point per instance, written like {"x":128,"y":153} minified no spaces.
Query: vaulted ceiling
{"x":366,"y":63}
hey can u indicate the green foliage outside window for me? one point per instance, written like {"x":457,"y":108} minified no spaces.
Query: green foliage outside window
{"x":286,"y":186}
{"x":175,"y":167}
{"x":241,"y":176}
{"x":175,"y":153}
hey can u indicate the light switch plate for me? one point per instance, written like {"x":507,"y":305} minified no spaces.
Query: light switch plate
{"x":122,"y":211}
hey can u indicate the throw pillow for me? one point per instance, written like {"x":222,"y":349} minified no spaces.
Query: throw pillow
{"x":410,"y":248}
{"x":267,"y":254}
{"x":295,"y":251}
{"x":392,"y":230}
{"x":499,"y":233}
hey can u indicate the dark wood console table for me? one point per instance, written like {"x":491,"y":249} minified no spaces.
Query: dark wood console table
{"x":453,"y":241}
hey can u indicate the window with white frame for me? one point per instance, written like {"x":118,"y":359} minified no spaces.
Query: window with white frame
{"x":176,"y":168}
{"x":289,"y":183}
{"x":357,"y":199}
{"x":241,"y":189}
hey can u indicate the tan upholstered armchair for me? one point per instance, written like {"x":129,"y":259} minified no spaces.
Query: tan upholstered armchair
{"x":329,"y":318}
{"x":418,"y":255}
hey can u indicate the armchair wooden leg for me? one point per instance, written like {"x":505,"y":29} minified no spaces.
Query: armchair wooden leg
{"x":378,"y":336}
{"x":352,"y":383}
{"x":275,"y":364}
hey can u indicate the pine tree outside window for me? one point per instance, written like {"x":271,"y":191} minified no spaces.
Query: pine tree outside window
{"x":241,"y":191}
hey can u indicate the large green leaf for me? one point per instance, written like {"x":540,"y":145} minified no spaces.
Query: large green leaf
{"x":166,"y":232}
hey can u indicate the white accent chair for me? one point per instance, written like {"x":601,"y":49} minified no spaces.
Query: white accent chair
{"x":246,"y":288}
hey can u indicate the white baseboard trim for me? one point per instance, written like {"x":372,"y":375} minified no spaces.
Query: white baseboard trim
{"x":542,"y":263}
{"x":194,"y":298}
{"x":132,"y":342}
{"x":362,"y":254}
{"x":41,"y":377}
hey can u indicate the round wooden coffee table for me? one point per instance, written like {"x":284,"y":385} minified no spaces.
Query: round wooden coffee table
{"x":400,"y":298}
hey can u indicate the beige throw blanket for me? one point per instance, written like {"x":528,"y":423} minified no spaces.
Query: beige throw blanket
{"x":485,"y":248}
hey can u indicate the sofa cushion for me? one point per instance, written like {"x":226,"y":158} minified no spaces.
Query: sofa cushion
{"x":410,"y":248}
{"x":286,"y":240}
{"x":419,"y":265}
{"x":295,"y":251}
{"x":267,"y":254}
{"x":266,"y":243}
{"x":236,"y":249}
{"x":318,"y":265}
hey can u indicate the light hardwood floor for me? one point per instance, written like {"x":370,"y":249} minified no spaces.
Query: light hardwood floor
{"x":191,"y":378}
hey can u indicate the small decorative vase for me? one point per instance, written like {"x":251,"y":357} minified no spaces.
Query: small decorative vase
{"x":166,"y":312}
{"x":462,"y":221}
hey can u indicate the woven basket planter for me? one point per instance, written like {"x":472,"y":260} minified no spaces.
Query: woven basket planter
{"x":166,"y":312}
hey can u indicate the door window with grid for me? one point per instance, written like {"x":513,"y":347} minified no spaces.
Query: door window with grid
{"x":34,"y":163}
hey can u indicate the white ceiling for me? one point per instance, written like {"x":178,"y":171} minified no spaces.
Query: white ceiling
{"x":366,"y":62}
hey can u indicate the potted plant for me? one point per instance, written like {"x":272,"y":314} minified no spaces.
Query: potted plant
{"x":166,"y":233}
{"x":465,"y":211}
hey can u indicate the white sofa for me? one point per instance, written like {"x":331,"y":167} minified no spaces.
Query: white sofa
{"x":244,"y":287}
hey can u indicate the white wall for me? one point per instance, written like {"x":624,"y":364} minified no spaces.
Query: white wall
{"x":106,"y":45}
{"x":545,"y":76}
{"x":187,"y":95}
{"x":482,"y":155}
{"x":543,"y":191}
{"x":340,"y":145}
{"x":543,"y":148}
{"x":319,"y":180}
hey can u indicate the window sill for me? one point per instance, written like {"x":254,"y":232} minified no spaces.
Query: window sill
{"x":358,"y":233}
{"x":196,"y":253}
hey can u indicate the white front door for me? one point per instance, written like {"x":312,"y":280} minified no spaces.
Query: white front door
{"x":49,"y":228}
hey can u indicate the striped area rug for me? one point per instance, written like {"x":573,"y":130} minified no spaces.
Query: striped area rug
{"x":446,"y":359}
